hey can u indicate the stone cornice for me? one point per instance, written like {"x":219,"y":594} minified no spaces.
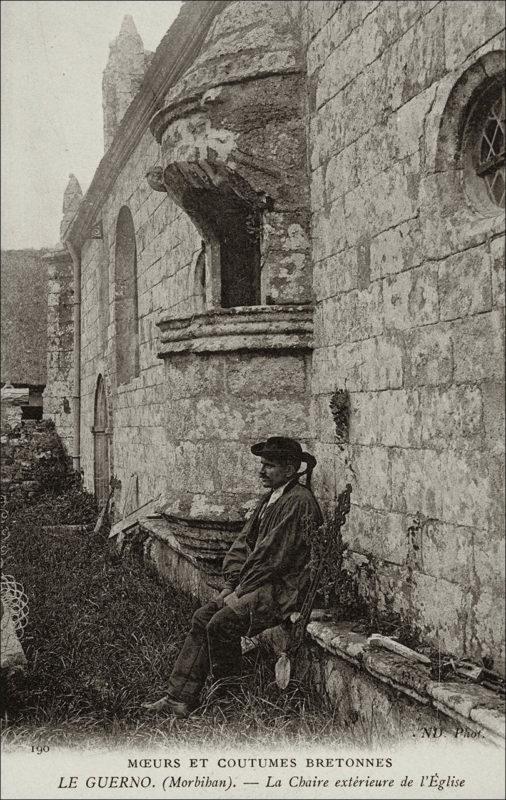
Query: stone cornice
{"x":186,"y":106}
{"x":243,"y":328}
{"x":174,"y":55}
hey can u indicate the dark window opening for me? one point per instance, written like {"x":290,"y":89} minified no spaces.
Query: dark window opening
{"x":125,"y":299}
{"x":31,"y":412}
{"x":236,"y":226}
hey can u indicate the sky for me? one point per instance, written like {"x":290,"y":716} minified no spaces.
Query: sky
{"x":52,"y":57}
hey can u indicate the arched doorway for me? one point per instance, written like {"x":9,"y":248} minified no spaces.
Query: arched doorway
{"x":102,"y":474}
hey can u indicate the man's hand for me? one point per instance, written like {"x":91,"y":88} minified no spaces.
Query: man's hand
{"x":222,"y":595}
{"x":231,"y":600}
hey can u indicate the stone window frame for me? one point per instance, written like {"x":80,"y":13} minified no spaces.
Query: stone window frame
{"x":476,"y":169}
{"x":458,"y":134}
{"x":209,"y":192}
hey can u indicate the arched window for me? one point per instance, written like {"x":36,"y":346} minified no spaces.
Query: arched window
{"x":125,"y":299}
{"x":490,"y":155}
{"x":471,"y":136}
{"x":101,"y":444}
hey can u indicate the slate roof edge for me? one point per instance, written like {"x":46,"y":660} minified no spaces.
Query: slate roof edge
{"x":175,"y":53}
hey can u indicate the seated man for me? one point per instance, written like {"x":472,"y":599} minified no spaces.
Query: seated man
{"x":266,"y":574}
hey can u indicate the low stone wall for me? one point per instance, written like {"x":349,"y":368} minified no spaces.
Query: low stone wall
{"x":386,"y":693}
{"x":33,"y":459}
{"x":10,"y":414}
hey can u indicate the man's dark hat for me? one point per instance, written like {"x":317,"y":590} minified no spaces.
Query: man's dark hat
{"x":283,"y":447}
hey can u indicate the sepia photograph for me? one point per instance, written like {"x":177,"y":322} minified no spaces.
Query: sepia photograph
{"x":252,"y":399}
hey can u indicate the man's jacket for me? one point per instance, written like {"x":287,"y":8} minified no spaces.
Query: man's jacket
{"x":268,"y":562}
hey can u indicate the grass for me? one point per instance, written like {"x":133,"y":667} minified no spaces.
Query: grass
{"x":101,"y":638}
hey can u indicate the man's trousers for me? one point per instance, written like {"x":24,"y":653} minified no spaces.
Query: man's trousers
{"x":213,"y":645}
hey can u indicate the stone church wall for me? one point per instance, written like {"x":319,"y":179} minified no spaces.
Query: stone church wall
{"x":409,"y":311}
{"x":165,"y":246}
{"x":185,"y":424}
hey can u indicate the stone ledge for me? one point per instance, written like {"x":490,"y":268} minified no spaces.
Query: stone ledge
{"x":472,"y":705}
{"x":243,"y":328}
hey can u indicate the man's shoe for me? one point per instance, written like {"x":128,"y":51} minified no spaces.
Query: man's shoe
{"x":167,"y":704}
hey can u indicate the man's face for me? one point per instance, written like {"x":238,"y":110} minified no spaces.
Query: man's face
{"x":274,"y":475}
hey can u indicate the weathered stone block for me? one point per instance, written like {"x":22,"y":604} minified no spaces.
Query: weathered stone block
{"x":323,"y":368}
{"x":493,"y":415}
{"x":467,"y":25}
{"x":416,"y":482}
{"x":411,"y":298}
{"x":353,"y":315}
{"x":372,"y":477}
{"x":465,"y":284}
{"x":448,"y":226}
{"x":336,"y":30}
{"x":489,"y":561}
{"x":195,"y":467}
{"x":329,"y":231}
{"x":317,"y":188}
{"x":471,"y":486}
{"x":428,"y":356}
{"x":394,"y":537}
{"x":416,"y":60}
{"x":234,"y":419}
{"x":363,"y":532}
{"x":497,"y":254}
{"x":478,"y":348}
{"x":396,"y":249}
{"x":324,"y":428}
{"x":367,"y":365}
{"x":185,"y":377}
{"x":376,"y":32}
{"x":451,"y":417}
{"x":364,"y":420}
{"x":398,"y":418}
{"x":485,"y":633}
{"x":341,"y":173}
{"x":324,"y":476}
{"x":335,"y":274}
{"x":383,"y":201}
{"x":326,"y":132}
{"x":361,"y":48}
{"x":431,"y":599}
{"x":317,"y":15}
{"x":266,"y":376}
{"x":447,"y":551}
{"x":383,"y":370}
